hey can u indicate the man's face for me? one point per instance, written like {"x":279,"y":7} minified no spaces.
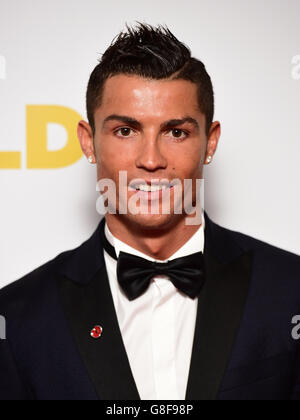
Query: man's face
{"x":153,"y":130}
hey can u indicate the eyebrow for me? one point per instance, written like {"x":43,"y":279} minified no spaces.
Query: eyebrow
{"x":135,"y":123}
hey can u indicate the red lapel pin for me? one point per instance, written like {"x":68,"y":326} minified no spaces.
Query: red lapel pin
{"x":96,"y":331}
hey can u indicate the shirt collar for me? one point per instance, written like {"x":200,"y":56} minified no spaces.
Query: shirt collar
{"x":193,"y":245}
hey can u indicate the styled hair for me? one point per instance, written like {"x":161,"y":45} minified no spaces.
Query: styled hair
{"x":152,"y":53}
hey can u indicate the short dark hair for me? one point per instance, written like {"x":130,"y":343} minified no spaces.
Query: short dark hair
{"x":154,"y":53}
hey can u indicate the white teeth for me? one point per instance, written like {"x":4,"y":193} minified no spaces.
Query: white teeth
{"x":149,"y":188}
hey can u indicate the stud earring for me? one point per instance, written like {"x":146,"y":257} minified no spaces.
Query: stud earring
{"x":209,"y":159}
{"x":90,"y":159}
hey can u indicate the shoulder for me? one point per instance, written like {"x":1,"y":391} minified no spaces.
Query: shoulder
{"x":270,"y":262}
{"x":274,"y":288}
{"x":245,"y":242}
{"x":39,"y":287}
{"x":266,"y":250}
{"x":31,"y":288}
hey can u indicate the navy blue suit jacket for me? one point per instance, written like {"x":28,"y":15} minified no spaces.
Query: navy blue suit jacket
{"x":243,"y":344}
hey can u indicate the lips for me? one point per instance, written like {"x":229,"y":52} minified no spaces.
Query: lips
{"x":150,"y":190}
{"x":149,"y":186}
{"x":152,"y":195}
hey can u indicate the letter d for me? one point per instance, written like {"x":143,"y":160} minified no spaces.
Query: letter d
{"x":38,"y":157}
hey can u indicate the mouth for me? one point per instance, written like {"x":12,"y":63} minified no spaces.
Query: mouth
{"x":150,"y":190}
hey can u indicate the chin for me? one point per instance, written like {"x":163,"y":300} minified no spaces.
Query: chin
{"x":154,"y":221}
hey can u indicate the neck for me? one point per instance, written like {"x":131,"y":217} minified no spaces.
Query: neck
{"x":159,"y":243}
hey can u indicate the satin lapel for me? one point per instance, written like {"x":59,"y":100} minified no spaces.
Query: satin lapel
{"x":220,"y":310}
{"x":88,"y":305}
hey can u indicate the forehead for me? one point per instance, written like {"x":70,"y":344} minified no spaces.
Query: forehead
{"x":143,"y":97}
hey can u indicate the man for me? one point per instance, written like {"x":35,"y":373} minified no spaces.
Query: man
{"x":163,"y":304}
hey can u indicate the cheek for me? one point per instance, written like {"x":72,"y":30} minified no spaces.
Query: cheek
{"x":111,"y":155}
{"x":111,"y":159}
{"x":187,"y":164}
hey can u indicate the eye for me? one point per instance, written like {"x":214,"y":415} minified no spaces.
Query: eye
{"x":177,"y":133}
{"x":124,"y":131}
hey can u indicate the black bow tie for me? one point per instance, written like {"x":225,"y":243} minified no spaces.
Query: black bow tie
{"x":135,"y":273}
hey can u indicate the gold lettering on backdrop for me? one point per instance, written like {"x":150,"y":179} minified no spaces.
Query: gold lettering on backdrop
{"x":38,"y":117}
{"x":38,"y":156}
{"x":10,"y":160}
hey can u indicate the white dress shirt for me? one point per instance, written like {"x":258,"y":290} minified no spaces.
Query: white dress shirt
{"x":158,"y":327}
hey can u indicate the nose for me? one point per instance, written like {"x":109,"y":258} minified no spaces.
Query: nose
{"x":150,"y":157}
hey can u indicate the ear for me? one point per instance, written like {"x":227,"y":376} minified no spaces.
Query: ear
{"x":85,"y":136}
{"x":213,"y":140}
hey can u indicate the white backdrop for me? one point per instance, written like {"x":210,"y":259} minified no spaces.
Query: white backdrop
{"x":252,"y":51}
